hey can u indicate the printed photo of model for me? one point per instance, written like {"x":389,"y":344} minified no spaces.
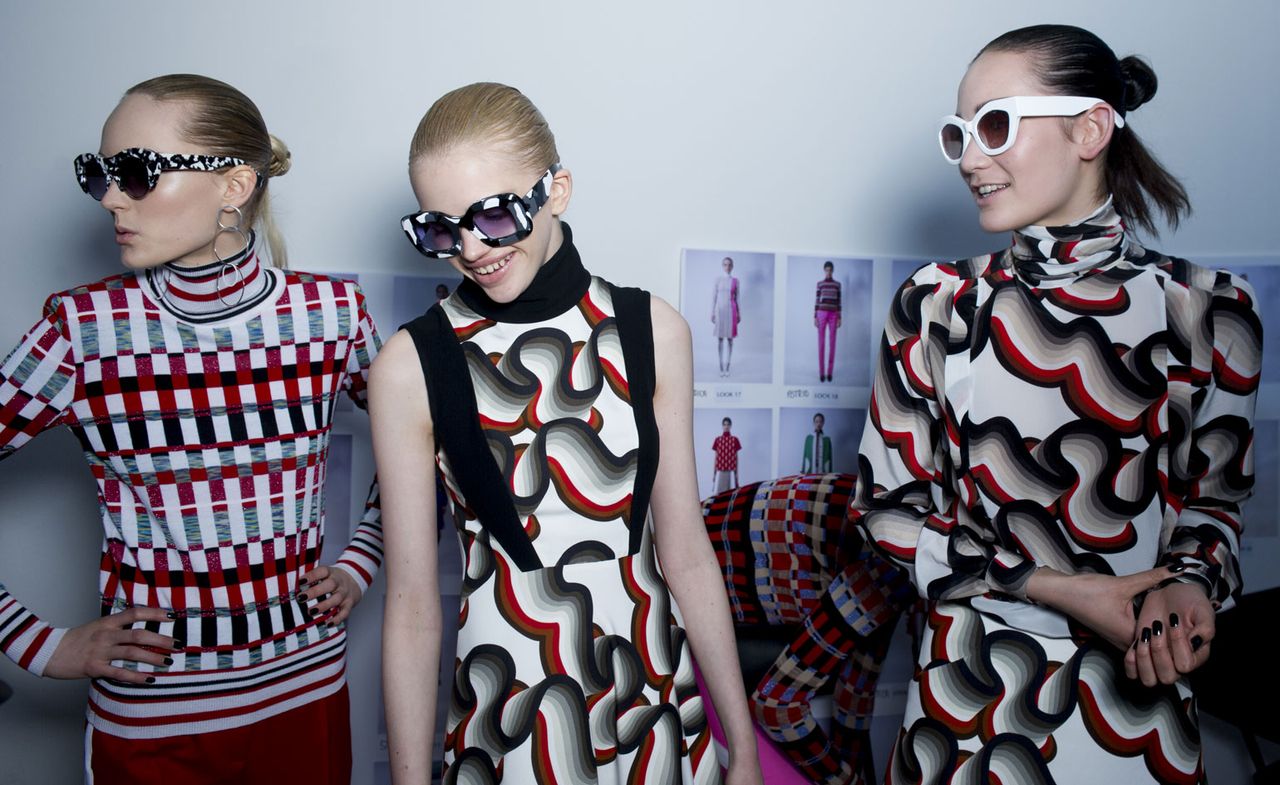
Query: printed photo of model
{"x":829,"y":296}
{"x":727,"y":299}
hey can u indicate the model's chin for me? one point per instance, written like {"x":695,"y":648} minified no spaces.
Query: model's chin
{"x":133,"y":259}
{"x":993,"y":221}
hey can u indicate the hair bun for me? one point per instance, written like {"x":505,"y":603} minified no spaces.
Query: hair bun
{"x":280,"y":158}
{"x":1139,"y":82}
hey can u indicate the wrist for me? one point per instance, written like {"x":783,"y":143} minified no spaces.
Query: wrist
{"x":1044,"y":585}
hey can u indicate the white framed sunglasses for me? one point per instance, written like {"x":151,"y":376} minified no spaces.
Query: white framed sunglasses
{"x":995,"y":125}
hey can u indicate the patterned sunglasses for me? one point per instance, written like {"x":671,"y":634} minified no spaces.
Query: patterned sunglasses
{"x":498,"y":220}
{"x":137,"y":169}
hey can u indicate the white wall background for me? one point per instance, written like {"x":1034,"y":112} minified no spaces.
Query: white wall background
{"x":805,"y":126}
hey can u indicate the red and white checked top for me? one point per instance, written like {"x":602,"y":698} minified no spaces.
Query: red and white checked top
{"x":208,"y":439}
{"x":727,"y":447}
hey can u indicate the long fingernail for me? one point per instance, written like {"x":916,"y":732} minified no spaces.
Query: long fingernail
{"x":1146,"y":634}
{"x":1157,"y":629}
{"x":1173,"y":621}
{"x":1196,"y":642}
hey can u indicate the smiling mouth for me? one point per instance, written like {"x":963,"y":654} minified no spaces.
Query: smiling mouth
{"x":987,"y":190}
{"x":490,"y":269}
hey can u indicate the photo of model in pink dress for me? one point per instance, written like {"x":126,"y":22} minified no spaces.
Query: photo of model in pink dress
{"x":725,"y":314}
{"x":727,"y":299}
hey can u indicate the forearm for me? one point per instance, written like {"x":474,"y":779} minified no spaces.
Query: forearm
{"x":410,"y":669}
{"x":24,"y":638}
{"x":1048,"y":587}
{"x":363,"y":555}
{"x":698,"y":588}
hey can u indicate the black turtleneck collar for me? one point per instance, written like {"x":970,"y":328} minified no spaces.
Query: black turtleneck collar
{"x":559,"y":285}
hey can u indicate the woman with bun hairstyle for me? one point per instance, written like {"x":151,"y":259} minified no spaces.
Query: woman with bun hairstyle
{"x":201,"y":383}
{"x":1059,"y":440}
{"x":566,"y":448}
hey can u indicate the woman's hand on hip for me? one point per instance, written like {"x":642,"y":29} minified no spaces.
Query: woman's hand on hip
{"x":87,"y":651}
{"x":332,"y":591}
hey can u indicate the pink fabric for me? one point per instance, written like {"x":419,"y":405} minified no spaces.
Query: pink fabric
{"x":775,"y":767}
{"x":736,"y":316}
{"x":827,"y":323}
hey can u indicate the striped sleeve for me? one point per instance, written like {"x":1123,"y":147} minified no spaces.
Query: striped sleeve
{"x":37,"y":386}
{"x":363,"y":555}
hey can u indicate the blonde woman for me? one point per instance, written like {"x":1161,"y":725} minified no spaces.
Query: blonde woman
{"x":201,"y":383}
{"x":534,"y":388}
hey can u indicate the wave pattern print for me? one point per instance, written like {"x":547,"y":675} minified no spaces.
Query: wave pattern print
{"x":548,"y":386}
{"x":1076,"y":402}
{"x":996,"y":703}
{"x":1156,"y":724}
{"x":578,"y":672}
{"x":1078,"y":358}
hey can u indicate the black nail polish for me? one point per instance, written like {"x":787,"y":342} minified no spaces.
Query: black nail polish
{"x":315,"y":611}
{"x":1157,"y":628}
{"x":168,"y":660}
{"x":1178,"y":567}
{"x":179,"y":645}
{"x":1146,"y":634}
{"x":151,"y":680}
{"x":171,"y":615}
{"x":302,"y":598}
{"x":1196,"y":642}
{"x":1173,"y":621}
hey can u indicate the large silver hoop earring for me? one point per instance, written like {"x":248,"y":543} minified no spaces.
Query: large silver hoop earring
{"x":236,"y":229}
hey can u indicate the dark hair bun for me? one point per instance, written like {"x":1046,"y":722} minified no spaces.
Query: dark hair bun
{"x":1139,"y":82}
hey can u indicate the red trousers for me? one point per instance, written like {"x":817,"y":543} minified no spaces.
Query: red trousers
{"x":310,"y":744}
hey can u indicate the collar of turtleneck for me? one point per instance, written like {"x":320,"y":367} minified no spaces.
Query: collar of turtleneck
{"x":559,"y":285}
{"x":213,"y":291}
{"x":1054,"y":255}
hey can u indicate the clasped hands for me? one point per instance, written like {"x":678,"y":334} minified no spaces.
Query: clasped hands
{"x":1166,"y":638}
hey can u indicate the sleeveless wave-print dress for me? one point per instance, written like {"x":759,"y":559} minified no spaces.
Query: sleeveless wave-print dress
{"x":572,"y":664}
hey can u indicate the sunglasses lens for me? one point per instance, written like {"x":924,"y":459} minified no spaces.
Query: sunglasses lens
{"x":133,"y":177}
{"x":434,"y":236}
{"x":993,"y":129}
{"x":497,"y":223}
{"x":952,"y":141}
{"x":93,"y":179}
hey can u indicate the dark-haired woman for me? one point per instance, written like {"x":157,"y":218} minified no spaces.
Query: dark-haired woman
{"x":201,"y":383}
{"x":1059,"y":440}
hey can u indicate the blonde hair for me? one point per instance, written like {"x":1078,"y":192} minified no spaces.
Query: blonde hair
{"x":226,"y":122}
{"x":489,"y":113}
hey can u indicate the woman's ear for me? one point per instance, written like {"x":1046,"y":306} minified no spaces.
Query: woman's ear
{"x":1092,"y":130}
{"x":240,"y":183}
{"x":561,"y":191}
